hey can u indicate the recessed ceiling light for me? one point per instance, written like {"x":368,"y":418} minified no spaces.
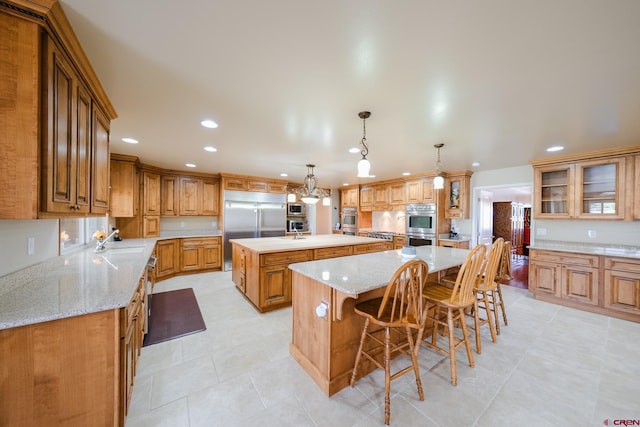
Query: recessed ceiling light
{"x":475,"y":164}
{"x":406,"y":173}
{"x":190,"y":165}
{"x":208,"y":123}
{"x":345,"y":183}
{"x":284,"y":175}
{"x":130,"y":140}
{"x":210,"y":149}
{"x":555,"y":148}
{"x":354,"y":150}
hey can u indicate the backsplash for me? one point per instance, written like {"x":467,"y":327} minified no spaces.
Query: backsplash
{"x":188,"y":223}
{"x":390,"y":221}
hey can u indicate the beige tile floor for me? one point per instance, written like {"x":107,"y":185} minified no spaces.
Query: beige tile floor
{"x":552,"y":366}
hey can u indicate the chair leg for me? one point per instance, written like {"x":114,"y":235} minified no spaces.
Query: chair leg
{"x":452,"y":346}
{"x":355,"y":366}
{"x":387,"y":375}
{"x":467,"y":342}
{"x":413,"y":348}
{"x":501,"y":304}
{"x":476,"y":325}
{"x":487,"y":309}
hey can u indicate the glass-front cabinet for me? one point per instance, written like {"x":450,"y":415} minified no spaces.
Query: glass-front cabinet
{"x":600,"y":190}
{"x":554,"y":191}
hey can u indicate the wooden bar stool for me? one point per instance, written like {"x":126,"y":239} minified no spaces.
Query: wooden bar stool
{"x":445,"y":307}
{"x":504,"y":273}
{"x":399,"y":312}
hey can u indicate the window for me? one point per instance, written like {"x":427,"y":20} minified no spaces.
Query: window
{"x":77,"y":232}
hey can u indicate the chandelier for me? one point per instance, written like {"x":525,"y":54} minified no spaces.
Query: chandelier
{"x":309,"y":192}
{"x":363,"y":165}
{"x":438,"y":181}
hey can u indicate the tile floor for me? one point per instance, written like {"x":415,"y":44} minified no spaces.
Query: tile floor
{"x":552,"y":366}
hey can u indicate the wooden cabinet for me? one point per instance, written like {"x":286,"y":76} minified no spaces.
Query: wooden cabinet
{"x":151,"y":192}
{"x":201,"y":253}
{"x":169,"y":195}
{"x":366,"y":198}
{"x":420,"y":191}
{"x":399,"y":242}
{"x":593,"y":186}
{"x":380,"y":197}
{"x":349,"y":197}
{"x":600,"y":189}
{"x":198,"y":196}
{"x":454,"y":244}
{"x":635,"y":181}
{"x":132,"y":323}
{"x":167,"y":258}
{"x":397,"y":193}
{"x":125,"y":187}
{"x":457,"y":186}
{"x":75,"y":149}
{"x":568,"y":276}
{"x":248,"y":183}
{"x":622,"y":285}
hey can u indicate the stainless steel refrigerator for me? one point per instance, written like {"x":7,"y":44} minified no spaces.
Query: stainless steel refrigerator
{"x":249,"y":215}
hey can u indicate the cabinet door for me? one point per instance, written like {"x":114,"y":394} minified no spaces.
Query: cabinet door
{"x":100,"y":162}
{"x":189,"y":258}
{"x":124,"y":187}
{"x":60,"y":146}
{"x":397,"y":194}
{"x":380,"y":196}
{"x":636,"y":187}
{"x":544,"y":277}
{"x":189,"y":196}
{"x":553,"y":191}
{"x":457,"y":188}
{"x":414,"y":191}
{"x":580,"y":284}
{"x":600,"y":189}
{"x":151,"y":193}
{"x":622,"y":285}
{"x":82,"y":166}
{"x":167,"y":253}
{"x":275,"y":285}
{"x":210,"y":254}
{"x":366,"y":198}
{"x":210,"y":197}
{"x":169,"y":195}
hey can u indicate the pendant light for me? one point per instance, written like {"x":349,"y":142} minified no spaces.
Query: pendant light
{"x":438,"y":181}
{"x":363,"y":165}
{"x":309,"y":192}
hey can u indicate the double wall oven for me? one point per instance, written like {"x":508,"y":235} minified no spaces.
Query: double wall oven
{"x":421,"y":224}
{"x":349,"y":220}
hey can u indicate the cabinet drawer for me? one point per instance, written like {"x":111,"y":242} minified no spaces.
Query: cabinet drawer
{"x":323,"y":253}
{"x":235,"y":184}
{"x":565,"y":258}
{"x":371,"y":247}
{"x":257,"y":186}
{"x":200,"y":241}
{"x":622,"y":264}
{"x":286,"y":257}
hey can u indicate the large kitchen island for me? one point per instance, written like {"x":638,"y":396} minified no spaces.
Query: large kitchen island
{"x":326,"y":330}
{"x":260,"y":265}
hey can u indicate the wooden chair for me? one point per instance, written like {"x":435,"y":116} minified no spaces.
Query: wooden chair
{"x":445,"y":307}
{"x":504,"y":273}
{"x":485,"y":291}
{"x":399,"y":312}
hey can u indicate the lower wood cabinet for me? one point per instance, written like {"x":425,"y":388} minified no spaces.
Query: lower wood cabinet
{"x":200,"y":254}
{"x":605,"y":285}
{"x":132,"y":326}
{"x":454,"y":244}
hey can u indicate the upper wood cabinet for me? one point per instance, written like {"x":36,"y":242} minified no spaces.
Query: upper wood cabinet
{"x":198,"y":196}
{"x":635,"y":189}
{"x":457,"y":187}
{"x":420,"y":191}
{"x":599,"y":185}
{"x":248,"y":183}
{"x":380,"y":197}
{"x":349,"y":197}
{"x":151,"y":191}
{"x":169,"y":195}
{"x":397,"y":193}
{"x":366,"y":198}
{"x":125,"y":187}
{"x":55,"y":118}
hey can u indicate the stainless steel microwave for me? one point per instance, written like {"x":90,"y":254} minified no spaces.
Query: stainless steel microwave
{"x":296,"y":225}
{"x":296,"y":209}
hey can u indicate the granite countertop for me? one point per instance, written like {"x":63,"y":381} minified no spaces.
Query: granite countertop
{"x":622,"y":251}
{"x":175,"y":234}
{"x":81,"y":282}
{"x":361,"y":273}
{"x":288,"y":243}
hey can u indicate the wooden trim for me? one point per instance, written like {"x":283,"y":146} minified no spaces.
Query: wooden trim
{"x":588,"y":156}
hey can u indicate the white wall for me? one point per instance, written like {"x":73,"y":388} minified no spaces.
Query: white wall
{"x":15,"y":235}
{"x":603,"y":232}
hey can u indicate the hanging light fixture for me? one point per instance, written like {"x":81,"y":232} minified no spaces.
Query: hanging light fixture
{"x":363,"y":165}
{"x":438,"y":181}
{"x":309,"y":192}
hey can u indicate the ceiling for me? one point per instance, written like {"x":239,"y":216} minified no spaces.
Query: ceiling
{"x":496,"y":81}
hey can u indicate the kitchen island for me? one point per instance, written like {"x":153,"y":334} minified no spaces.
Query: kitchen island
{"x":260,"y":265}
{"x":326,"y":330}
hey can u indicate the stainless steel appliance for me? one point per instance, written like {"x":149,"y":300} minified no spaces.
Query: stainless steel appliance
{"x":296,"y":225}
{"x":421,"y":221}
{"x":296,"y":209}
{"x":349,"y":220}
{"x":380,"y":235}
{"x":149,"y":281}
{"x":251,"y":214}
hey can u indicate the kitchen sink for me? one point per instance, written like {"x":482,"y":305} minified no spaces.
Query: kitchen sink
{"x":124,"y":250}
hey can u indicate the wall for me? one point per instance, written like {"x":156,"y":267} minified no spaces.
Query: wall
{"x":188,"y":223}
{"x":13,"y":250}
{"x":604,"y":232}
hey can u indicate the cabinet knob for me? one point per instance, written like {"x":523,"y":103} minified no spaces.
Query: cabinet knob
{"x":322,"y":309}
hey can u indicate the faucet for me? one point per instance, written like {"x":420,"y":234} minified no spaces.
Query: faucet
{"x":101,"y":246}
{"x":298,"y":234}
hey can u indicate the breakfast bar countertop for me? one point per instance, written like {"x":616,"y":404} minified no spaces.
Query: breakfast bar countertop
{"x":289,"y":243}
{"x":81,"y":282}
{"x":622,"y":251}
{"x":361,"y":273}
